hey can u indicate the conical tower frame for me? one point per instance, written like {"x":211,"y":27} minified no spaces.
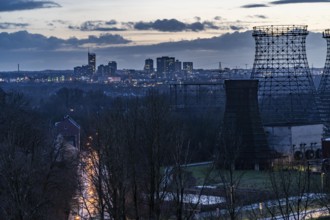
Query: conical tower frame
{"x":324,"y":88}
{"x":287,"y":94}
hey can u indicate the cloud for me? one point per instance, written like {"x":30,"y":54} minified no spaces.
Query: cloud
{"x":9,"y":25}
{"x":97,"y":26}
{"x":111,"y":22}
{"x":104,"y":39}
{"x":282,"y":2}
{"x":23,"y":40}
{"x":261,"y":16}
{"x":16,"y":5}
{"x":278,"y":2}
{"x":39,"y":52}
{"x":254,"y":6}
{"x":197,"y":18}
{"x":174,"y":25}
{"x":60,"y":21}
{"x":236,"y":28}
{"x":232,"y":49}
{"x":164,"y":25}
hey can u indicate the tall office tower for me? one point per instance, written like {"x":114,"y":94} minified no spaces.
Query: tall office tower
{"x":177,"y":66}
{"x":243,"y":135}
{"x":92,"y":61}
{"x":165,"y":65}
{"x":188,"y":67}
{"x":324,"y":87}
{"x":149,"y":65}
{"x":286,"y":90}
{"x":102,"y":70}
{"x":112,"y":67}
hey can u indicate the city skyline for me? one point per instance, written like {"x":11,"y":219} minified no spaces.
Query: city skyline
{"x":57,"y":34}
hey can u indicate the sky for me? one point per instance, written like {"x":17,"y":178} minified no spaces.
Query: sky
{"x":57,"y":34}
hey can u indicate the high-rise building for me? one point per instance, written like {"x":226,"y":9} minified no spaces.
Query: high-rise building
{"x":92,"y":61}
{"x":102,"y":69}
{"x":112,"y":67}
{"x":149,"y":65}
{"x":177,"y":66}
{"x":165,"y":64}
{"x":188,"y":67}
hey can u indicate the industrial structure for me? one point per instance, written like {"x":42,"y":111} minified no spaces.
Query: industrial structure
{"x":69,"y":132}
{"x":242,"y":131}
{"x":324,"y":88}
{"x":286,"y":88}
{"x":287,"y":96}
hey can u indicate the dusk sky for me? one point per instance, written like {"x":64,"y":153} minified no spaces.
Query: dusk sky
{"x":57,"y":34}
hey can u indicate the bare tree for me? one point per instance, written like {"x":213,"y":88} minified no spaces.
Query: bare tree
{"x":228,"y":157}
{"x":291,"y":188}
{"x":32,"y":182}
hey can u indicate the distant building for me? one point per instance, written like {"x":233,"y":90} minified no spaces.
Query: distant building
{"x":149,"y":65}
{"x":83,"y":70}
{"x":2,"y":97}
{"x":165,"y":65}
{"x":67,"y":134}
{"x":177,"y":66}
{"x":102,"y":69}
{"x":92,"y":62}
{"x":112,"y":67}
{"x":77,"y":71}
{"x":188,"y":67}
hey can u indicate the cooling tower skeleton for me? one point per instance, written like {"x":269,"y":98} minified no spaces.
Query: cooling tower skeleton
{"x":286,"y":89}
{"x":324,"y":87}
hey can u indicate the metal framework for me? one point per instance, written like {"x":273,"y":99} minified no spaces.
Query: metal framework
{"x":286,"y":88}
{"x":324,"y":87}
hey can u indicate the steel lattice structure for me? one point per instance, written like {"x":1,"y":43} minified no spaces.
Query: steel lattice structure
{"x":286,"y":88}
{"x":324,"y":87}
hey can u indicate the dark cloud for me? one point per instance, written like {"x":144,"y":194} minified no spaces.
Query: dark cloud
{"x":261,"y":16}
{"x":278,"y":2}
{"x":282,"y":2}
{"x":232,"y":49}
{"x":254,"y":6}
{"x":15,"y":5}
{"x":97,"y":26}
{"x":104,"y":39}
{"x":173,"y":25}
{"x":111,"y":22}
{"x":9,"y":25}
{"x":164,"y":25}
{"x":197,"y":18}
{"x":23,"y":40}
{"x":236,"y":28}
{"x":60,"y":22}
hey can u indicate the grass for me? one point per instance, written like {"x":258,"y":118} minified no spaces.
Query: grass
{"x":250,"y":179}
